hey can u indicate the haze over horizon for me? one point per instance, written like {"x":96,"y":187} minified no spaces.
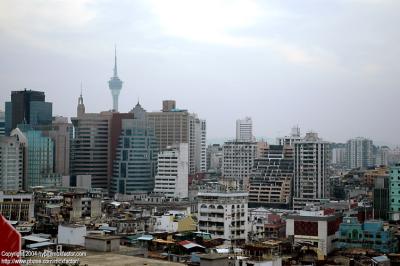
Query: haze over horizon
{"x":330,"y":67}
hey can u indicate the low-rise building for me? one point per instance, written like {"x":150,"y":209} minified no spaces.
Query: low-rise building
{"x":17,"y":207}
{"x":175,"y":221}
{"x":102,"y":243}
{"x":71,"y":234}
{"x":263,"y":224}
{"x":315,"y":228}
{"x":372,"y":234}
{"x":223,"y":213}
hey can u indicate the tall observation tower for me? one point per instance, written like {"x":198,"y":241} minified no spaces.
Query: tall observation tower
{"x":115,"y":85}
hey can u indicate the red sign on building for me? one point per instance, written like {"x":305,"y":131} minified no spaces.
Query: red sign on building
{"x":10,"y":243}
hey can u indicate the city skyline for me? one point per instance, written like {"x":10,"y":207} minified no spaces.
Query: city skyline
{"x":341,"y":64}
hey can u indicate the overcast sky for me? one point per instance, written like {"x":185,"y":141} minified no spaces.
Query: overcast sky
{"x":328,"y":66}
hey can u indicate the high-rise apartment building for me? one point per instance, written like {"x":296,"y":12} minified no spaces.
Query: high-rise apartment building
{"x":174,"y":126}
{"x":199,"y":144}
{"x":27,"y":107}
{"x":292,"y":138}
{"x":172,"y":172}
{"x":115,"y":84}
{"x":244,"y":129}
{"x":11,"y":164}
{"x":238,"y":160}
{"x":2,"y":123}
{"x":359,"y":153}
{"x":339,"y":156}
{"x":311,"y":159}
{"x":271,"y":178}
{"x":96,"y":137}
{"x":215,"y":157}
{"x":61,"y":133}
{"x":394,"y":193}
{"x":136,"y":158}
{"x":382,"y":155}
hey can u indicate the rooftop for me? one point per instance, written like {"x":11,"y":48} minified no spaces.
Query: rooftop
{"x":213,"y":256}
{"x":102,"y":237}
{"x":112,"y":259}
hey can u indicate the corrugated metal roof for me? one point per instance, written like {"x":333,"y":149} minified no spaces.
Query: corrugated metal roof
{"x":146,"y":237}
{"x":41,"y":244}
{"x":35,"y":238}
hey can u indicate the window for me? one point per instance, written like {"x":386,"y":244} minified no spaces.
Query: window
{"x":122,"y":170}
{"x":124,"y":155}
{"x":126,"y":143}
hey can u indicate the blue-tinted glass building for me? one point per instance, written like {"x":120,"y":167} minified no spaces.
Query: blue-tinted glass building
{"x":136,"y":158}
{"x":8,"y":118}
{"x":38,"y":158}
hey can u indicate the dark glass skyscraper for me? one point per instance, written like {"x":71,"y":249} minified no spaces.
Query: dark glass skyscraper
{"x":27,"y":107}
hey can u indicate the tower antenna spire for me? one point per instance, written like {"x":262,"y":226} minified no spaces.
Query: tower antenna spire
{"x":115,"y":84}
{"x":115,"y":61}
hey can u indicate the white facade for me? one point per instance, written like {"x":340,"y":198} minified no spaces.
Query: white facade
{"x":82,"y":181}
{"x":71,"y":234}
{"x":339,"y":156}
{"x":2,"y":123}
{"x":203,"y":145}
{"x":198,"y":146}
{"x":172,"y":172}
{"x":11,"y":164}
{"x":359,"y":153}
{"x":224,"y":214}
{"x":295,"y":136}
{"x":244,"y":129}
{"x":169,"y":221}
{"x":238,"y":159}
{"x":382,"y":156}
{"x":310,"y":170}
{"x":323,"y":240}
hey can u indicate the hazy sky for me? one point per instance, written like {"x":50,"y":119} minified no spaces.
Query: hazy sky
{"x":329,"y":66}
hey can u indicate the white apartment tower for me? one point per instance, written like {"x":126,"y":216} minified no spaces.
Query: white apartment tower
{"x":2,"y":123}
{"x":359,"y":153}
{"x":172,"y":171}
{"x":311,"y":157}
{"x":224,"y":214}
{"x":203,"y":145}
{"x":238,"y":159}
{"x":198,"y":146}
{"x":292,"y":138}
{"x":11,"y":164}
{"x":244,"y":129}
